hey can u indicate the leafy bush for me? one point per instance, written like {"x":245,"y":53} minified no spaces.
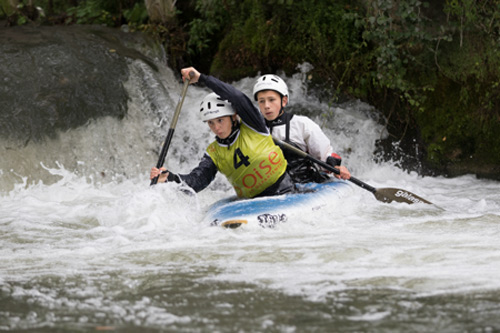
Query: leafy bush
{"x":432,"y":67}
{"x":89,"y":12}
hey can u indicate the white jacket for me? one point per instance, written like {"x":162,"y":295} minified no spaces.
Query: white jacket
{"x":304,"y":133}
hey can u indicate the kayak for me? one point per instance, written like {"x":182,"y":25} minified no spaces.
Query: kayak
{"x":270,"y":211}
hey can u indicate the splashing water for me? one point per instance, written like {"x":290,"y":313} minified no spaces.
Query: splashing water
{"x":88,"y":244}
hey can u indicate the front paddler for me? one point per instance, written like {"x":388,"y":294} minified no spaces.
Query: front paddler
{"x":243,"y":150}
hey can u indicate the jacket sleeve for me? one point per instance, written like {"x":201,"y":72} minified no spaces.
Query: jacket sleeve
{"x":318,"y":144}
{"x":243,"y":106}
{"x":201,"y":176}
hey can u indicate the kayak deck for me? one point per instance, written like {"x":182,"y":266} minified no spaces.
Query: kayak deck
{"x":270,"y":211}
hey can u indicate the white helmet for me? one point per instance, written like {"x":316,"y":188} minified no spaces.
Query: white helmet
{"x":270,"y":82}
{"x":213,"y":107}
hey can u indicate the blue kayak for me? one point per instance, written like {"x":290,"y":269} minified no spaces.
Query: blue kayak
{"x":270,"y":211}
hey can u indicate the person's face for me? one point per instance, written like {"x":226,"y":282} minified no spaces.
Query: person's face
{"x":270,"y":103}
{"x":221,"y":126}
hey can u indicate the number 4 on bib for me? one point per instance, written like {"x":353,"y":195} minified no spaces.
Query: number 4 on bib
{"x":240,"y":159}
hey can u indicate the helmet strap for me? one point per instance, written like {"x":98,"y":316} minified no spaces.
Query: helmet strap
{"x":235,"y":123}
{"x":234,"y":129}
{"x":282,"y":109}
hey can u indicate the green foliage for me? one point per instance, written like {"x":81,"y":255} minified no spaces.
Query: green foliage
{"x":213,"y":17}
{"x":462,"y":119}
{"x":440,"y":74}
{"x":431,"y":65}
{"x":19,"y":12}
{"x":54,"y":6}
{"x":136,"y":15}
{"x":473,"y":15}
{"x":108,"y":12}
{"x":394,"y":35}
{"x":6,"y":9}
{"x":90,"y":11}
{"x":282,"y":34}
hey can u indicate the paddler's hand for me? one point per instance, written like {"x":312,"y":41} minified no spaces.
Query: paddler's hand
{"x":162,"y":172}
{"x":185,"y":74}
{"x":344,"y":173}
{"x":334,"y":160}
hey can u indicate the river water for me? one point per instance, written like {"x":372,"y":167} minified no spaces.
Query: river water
{"x":87,"y":244}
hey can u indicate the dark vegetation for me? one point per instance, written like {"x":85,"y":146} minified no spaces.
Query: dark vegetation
{"x":431,"y":67}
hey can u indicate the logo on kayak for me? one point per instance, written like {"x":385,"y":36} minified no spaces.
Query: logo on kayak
{"x":270,"y":220}
{"x":408,"y":196}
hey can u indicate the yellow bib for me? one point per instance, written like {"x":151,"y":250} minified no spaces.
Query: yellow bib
{"x":251,"y":164}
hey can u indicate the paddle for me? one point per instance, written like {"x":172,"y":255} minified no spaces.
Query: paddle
{"x":381,"y":194}
{"x":171,"y":130}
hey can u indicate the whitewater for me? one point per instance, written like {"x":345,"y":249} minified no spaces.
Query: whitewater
{"x":87,"y":244}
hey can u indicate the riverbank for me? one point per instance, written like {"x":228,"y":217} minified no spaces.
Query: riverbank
{"x":432,"y":71}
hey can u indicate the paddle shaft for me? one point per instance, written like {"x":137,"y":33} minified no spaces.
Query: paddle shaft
{"x":323,"y":164}
{"x":383,"y":194}
{"x":170,"y":134}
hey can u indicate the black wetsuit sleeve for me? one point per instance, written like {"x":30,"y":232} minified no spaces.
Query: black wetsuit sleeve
{"x":243,"y":106}
{"x":201,"y":176}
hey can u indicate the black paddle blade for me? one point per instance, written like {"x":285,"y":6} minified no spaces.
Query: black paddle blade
{"x":398,"y":195}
